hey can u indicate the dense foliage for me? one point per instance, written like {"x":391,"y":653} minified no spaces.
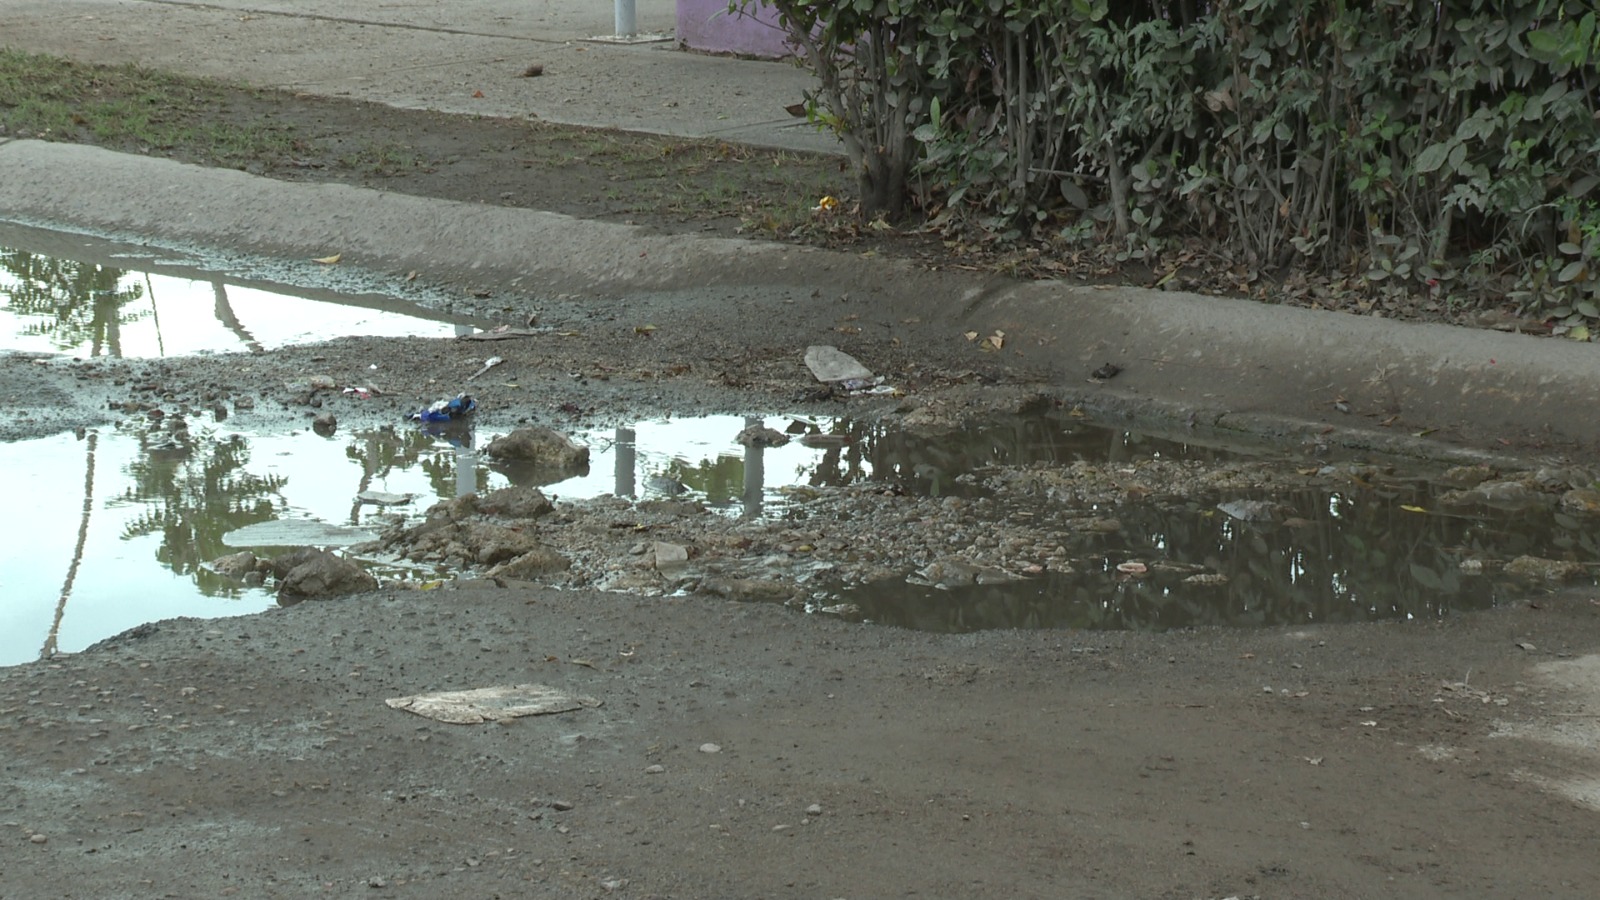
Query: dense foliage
{"x":1444,"y":146}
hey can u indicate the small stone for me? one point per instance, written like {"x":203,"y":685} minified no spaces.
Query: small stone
{"x":376,"y":882}
{"x":561,"y":805}
{"x":670,"y":556}
{"x":656,"y":769}
{"x":761,"y":436}
{"x":1544,"y":569}
{"x":780,"y":828}
{"x":37,"y":838}
{"x":814,"y":809}
{"x":829,"y":364}
{"x":325,"y":424}
{"x":710,"y":748}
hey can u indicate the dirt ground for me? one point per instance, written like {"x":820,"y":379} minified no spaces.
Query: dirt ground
{"x":746,"y":750}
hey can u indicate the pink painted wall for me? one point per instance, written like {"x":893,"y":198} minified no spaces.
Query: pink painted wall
{"x":707,"y":25}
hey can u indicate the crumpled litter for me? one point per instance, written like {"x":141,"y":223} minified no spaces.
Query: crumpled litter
{"x":491,"y":704}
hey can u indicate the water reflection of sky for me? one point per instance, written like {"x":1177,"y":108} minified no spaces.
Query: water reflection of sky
{"x":166,"y":316}
{"x":123,"y":579}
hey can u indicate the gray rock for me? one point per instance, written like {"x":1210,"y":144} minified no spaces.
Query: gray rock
{"x":384,"y":498}
{"x":830,"y":364}
{"x":539,"y":446}
{"x":1498,"y":494}
{"x":759,"y":436}
{"x":516,"y":503}
{"x":235,"y":565}
{"x":750,"y":589}
{"x":1544,"y":569}
{"x":1248,"y":510}
{"x":325,"y":424}
{"x":1581,"y":500}
{"x":535,"y":563}
{"x":670,"y":556}
{"x":319,"y":575}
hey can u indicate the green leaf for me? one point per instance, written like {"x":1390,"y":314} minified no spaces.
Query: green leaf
{"x":1432,"y":157}
{"x":1572,"y":271}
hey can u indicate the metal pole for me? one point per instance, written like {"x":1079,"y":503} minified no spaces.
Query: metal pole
{"x":626,"y":26}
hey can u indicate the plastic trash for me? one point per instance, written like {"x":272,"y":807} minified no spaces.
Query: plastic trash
{"x":457,"y":407}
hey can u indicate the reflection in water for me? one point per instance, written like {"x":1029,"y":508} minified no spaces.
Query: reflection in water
{"x":156,"y":502}
{"x":1334,"y":557}
{"x":191,"y":496}
{"x":67,"y":303}
{"x":54,"y":305}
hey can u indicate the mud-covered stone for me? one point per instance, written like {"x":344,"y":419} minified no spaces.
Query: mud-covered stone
{"x":320,"y":575}
{"x":761,"y":436}
{"x":1582,"y":500}
{"x":540,"y":447}
{"x":534,"y":564}
{"x":1544,"y":569}
{"x":517,"y":502}
{"x":235,"y":565}
{"x":751,"y":589}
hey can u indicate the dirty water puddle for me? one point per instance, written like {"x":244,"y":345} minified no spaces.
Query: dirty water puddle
{"x":1025,"y":522}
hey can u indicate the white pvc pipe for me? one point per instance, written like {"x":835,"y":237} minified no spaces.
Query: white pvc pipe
{"x":626,"y":26}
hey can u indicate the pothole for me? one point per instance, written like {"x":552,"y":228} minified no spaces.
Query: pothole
{"x":1020,"y":521}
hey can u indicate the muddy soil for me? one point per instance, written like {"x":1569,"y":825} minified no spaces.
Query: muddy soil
{"x":744,"y":749}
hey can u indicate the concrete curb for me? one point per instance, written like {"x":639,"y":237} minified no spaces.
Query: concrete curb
{"x":1222,"y":360}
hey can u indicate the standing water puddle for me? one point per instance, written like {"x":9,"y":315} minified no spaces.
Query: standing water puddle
{"x":85,"y":309}
{"x":1322,"y":556}
{"x":122,"y":523}
{"x":114,"y":526}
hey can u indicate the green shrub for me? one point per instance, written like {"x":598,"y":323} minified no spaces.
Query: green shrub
{"x":1451,"y":146}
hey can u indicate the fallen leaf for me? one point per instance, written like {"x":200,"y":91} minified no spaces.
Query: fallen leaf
{"x":328,"y":260}
{"x":644,"y":329}
{"x":1409,"y":508}
{"x":477,"y":95}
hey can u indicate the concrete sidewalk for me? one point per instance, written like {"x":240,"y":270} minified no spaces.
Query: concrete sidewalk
{"x":427,"y":54}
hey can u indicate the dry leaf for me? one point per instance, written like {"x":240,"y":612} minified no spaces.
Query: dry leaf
{"x":329,"y":260}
